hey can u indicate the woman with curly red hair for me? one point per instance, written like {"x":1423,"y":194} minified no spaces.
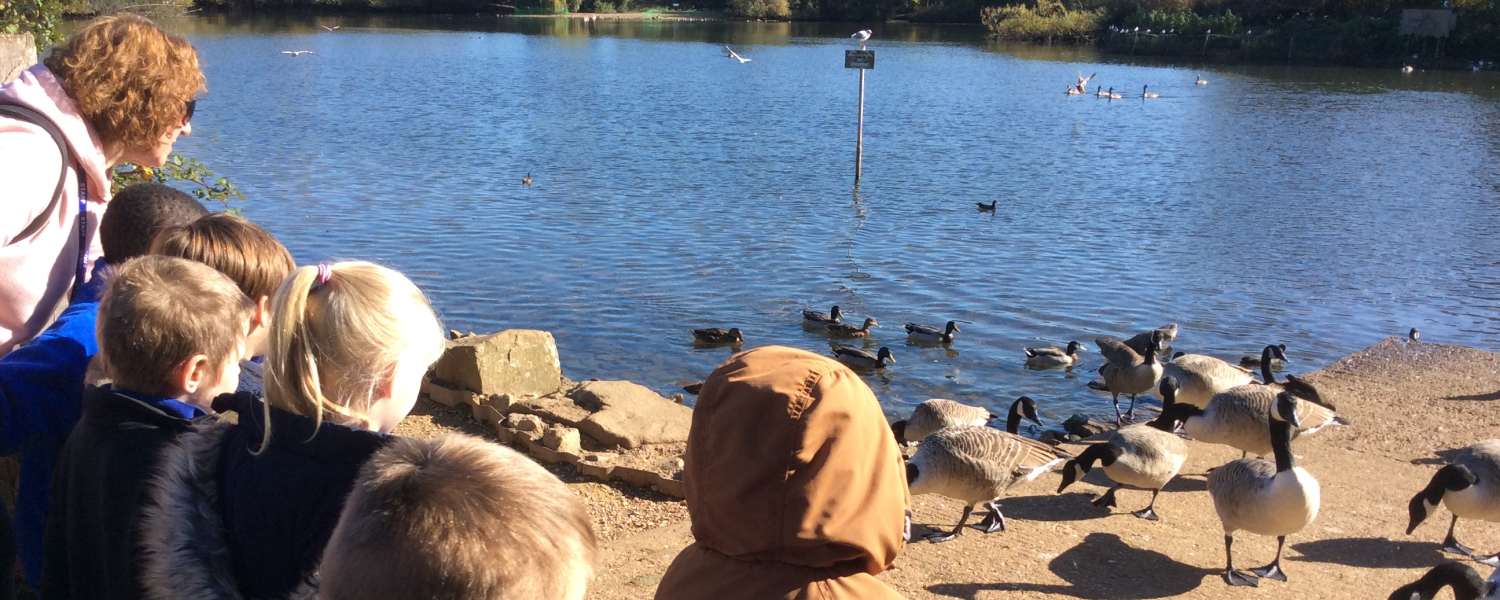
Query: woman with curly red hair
{"x":121,"y":90}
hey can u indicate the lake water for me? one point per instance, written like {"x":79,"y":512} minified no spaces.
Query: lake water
{"x":674,"y":188}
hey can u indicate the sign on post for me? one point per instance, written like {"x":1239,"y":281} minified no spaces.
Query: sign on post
{"x":859,"y":59}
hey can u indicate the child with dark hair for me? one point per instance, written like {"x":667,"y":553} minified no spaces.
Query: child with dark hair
{"x":41,"y":383}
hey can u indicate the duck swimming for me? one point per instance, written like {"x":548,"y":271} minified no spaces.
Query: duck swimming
{"x":718,"y":336}
{"x":817,"y":318}
{"x":923,"y":333}
{"x":857,"y":357}
{"x":844,"y":330}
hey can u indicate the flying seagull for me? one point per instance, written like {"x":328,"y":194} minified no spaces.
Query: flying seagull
{"x":742,"y":59}
{"x":861,"y":35}
{"x":297,"y":52}
{"x":332,"y":28}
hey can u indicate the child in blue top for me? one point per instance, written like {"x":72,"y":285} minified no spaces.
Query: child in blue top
{"x":41,"y":383}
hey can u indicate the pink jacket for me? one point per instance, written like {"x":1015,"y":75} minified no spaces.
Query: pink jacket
{"x":36,"y":273}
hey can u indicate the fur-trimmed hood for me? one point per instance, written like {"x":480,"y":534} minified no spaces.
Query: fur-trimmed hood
{"x":186,"y":555}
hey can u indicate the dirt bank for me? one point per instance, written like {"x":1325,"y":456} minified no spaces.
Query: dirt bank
{"x":1409,"y":404}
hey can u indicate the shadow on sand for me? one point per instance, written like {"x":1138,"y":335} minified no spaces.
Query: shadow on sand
{"x":1477,"y":398}
{"x":1371,"y":553}
{"x":1101,"y":566}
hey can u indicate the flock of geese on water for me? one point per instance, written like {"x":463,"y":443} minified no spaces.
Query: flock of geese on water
{"x":1204,"y":399}
{"x":1082,"y":87}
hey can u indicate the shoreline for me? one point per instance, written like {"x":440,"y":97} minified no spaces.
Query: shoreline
{"x":1409,"y":405}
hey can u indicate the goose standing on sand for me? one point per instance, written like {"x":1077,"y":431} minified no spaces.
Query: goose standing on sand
{"x":1465,"y":581}
{"x":1051,"y":357}
{"x":844,"y":330}
{"x":1470,"y":488}
{"x":1203,"y":376}
{"x":938,"y":414}
{"x":1237,"y":417}
{"x":1144,"y":456}
{"x":1278,"y":359}
{"x":1146,"y":94}
{"x":923,"y":333}
{"x":718,"y":336}
{"x":1265,"y":498}
{"x":817,"y":318}
{"x":1127,"y":371}
{"x":859,"y":357}
{"x":861,"y":36}
{"x":974,"y":465}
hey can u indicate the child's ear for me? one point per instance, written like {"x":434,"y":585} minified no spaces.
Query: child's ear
{"x":262,"y":316}
{"x":191,"y":374}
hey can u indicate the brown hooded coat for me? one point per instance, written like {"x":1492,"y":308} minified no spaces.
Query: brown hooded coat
{"x":794,"y":483}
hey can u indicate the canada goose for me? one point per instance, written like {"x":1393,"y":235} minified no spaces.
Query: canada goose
{"x":1278,"y":359}
{"x":974,"y":465}
{"x":857,"y":357}
{"x":844,"y":330}
{"x":1413,"y":334}
{"x":1141,"y":342}
{"x":817,"y":318}
{"x":526,"y":180}
{"x":987,"y":207}
{"x":1128,"y":372}
{"x":1144,"y":456}
{"x":1264,"y":498}
{"x":1237,"y":417}
{"x":1146,"y":94}
{"x":1073,"y":91}
{"x":1113,"y":95}
{"x":1203,"y":376}
{"x":1406,"y":69}
{"x":923,"y":333}
{"x":1199,"y":80}
{"x":1100,"y":93}
{"x":718,"y":336}
{"x":1470,"y":488}
{"x":1051,"y":356}
{"x":1465,"y":581}
{"x":938,"y":414}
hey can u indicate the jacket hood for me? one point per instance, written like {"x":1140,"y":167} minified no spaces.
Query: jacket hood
{"x":790,"y":460}
{"x":38,"y":89}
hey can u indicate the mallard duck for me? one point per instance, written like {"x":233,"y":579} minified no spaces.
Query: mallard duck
{"x":857,"y":357}
{"x":1146,"y":94}
{"x":1265,"y":498}
{"x":1465,"y":581}
{"x":718,"y":336}
{"x":526,"y":180}
{"x":987,"y":207}
{"x":1129,"y":372}
{"x":1052,"y":357}
{"x":844,"y":330}
{"x":828,"y":318}
{"x":923,"y":333}
{"x":1278,"y":359}
{"x":974,"y":465}
{"x":1144,"y":456}
{"x":1470,"y":488}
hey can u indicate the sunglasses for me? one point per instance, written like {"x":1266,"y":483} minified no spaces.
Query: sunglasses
{"x":191,"y":106}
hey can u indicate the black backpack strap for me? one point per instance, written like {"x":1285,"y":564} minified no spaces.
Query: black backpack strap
{"x":23,"y":113}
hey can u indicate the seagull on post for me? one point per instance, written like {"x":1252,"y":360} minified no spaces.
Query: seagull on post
{"x":742,"y":59}
{"x":861,"y":36}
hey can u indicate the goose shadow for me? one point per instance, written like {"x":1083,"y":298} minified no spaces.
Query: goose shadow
{"x":1371,"y":553}
{"x":1476,"y":397}
{"x":1102,"y":566}
{"x":1052,"y":508}
{"x":1443,"y":457}
{"x":1187,"y":483}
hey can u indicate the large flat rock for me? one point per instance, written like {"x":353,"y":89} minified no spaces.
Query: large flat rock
{"x":17,"y":53}
{"x":630,"y":415}
{"x":516,"y":362}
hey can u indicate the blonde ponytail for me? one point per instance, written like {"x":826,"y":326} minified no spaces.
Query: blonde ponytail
{"x":334,"y":337}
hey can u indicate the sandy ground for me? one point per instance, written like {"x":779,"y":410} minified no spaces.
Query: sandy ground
{"x":1410,"y":405}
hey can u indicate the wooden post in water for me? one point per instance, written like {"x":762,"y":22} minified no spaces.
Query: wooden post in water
{"x":860,"y":59}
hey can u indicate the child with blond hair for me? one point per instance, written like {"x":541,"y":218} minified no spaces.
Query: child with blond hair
{"x":245,"y":510}
{"x":171,"y":333}
{"x":458,"y":518}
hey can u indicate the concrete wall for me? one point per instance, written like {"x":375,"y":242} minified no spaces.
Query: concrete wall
{"x":17,"y":52}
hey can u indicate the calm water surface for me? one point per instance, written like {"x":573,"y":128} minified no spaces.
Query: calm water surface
{"x":1320,"y":208}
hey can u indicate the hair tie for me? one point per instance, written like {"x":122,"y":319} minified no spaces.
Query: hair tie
{"x":325,"y":273}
